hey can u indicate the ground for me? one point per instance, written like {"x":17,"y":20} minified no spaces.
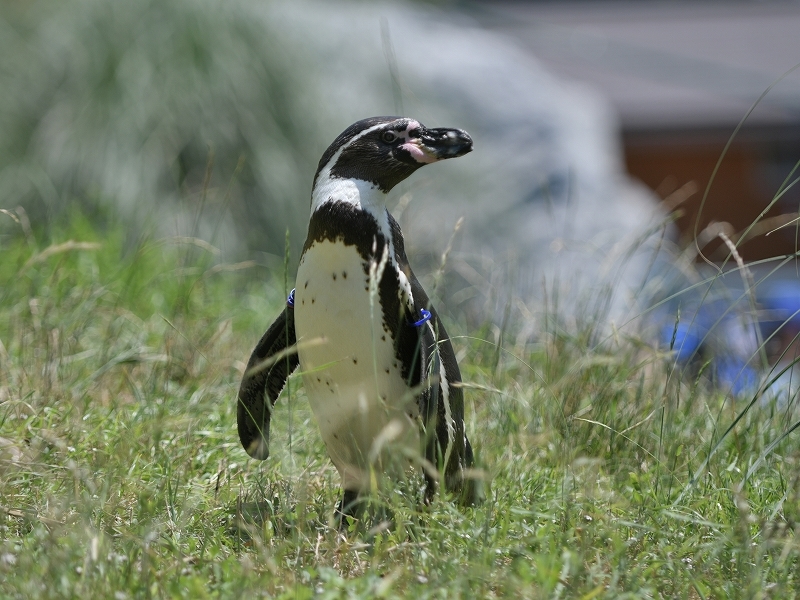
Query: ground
{"x":121,"y":475}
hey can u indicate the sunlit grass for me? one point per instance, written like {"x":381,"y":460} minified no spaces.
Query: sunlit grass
{"x":122,"y":474}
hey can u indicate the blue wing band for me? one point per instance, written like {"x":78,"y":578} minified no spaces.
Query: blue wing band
{"x":426,"y":316}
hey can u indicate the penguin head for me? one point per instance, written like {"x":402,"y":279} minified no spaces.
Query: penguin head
{"x":385,"y":150}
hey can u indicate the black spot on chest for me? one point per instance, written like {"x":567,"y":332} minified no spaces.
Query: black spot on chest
{"x":342,"y":223}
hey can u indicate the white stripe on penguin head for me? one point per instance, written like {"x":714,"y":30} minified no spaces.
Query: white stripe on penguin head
{"x":360,"y":193}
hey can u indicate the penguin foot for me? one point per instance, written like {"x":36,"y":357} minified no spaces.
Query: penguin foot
{"x":348,"y":506}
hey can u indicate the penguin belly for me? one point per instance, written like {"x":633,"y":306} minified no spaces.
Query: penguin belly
{"x":366,"y":413}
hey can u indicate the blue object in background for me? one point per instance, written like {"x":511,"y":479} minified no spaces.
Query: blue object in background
{"x":736,"y":375}
{"x":687,"y":339}
{"x":721,"y":336}
{"x":782,"y":299}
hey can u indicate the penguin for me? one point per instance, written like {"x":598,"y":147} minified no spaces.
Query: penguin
{"x":377,"y":364}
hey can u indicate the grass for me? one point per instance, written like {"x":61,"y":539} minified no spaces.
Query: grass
{"x":121,"y":474}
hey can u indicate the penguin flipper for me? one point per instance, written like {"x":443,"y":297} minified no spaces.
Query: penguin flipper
{"x":449,"y":448}
{"x":435,"y":358}
{"x":272,"y":361}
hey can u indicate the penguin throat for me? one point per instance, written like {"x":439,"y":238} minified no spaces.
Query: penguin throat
{"x":360,"y":194}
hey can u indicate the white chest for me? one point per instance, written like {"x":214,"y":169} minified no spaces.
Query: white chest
{"x":353,"y":379}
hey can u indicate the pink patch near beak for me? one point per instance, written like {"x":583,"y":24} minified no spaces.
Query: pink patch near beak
{"x":417,"y":153}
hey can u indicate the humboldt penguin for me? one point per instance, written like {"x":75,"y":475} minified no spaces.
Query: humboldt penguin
{"x":377,"y":365}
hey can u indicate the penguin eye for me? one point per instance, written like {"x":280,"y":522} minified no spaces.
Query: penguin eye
{"x":388,"y":136}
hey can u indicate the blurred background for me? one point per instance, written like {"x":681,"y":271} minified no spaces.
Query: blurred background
{"x":595,"y":197}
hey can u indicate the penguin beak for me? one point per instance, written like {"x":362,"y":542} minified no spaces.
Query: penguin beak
{"x":433,"y":145}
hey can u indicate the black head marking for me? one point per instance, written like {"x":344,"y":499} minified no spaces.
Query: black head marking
{"x":386,"y":150}
{"x":347,"y":135}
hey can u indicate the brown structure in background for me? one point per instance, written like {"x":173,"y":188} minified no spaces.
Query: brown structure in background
{"x":749,"y":177}
{"x":681,"y":75}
